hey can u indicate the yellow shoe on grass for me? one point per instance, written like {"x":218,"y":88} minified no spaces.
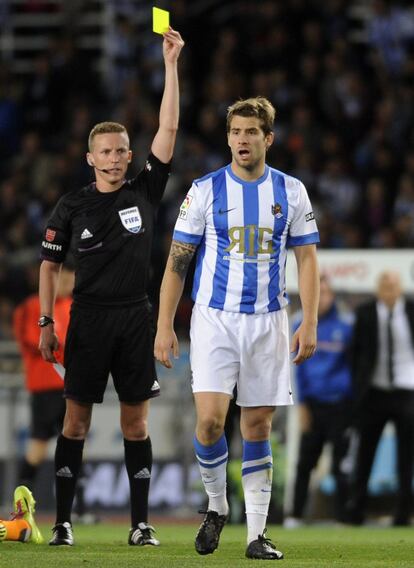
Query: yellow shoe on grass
{"x":24,"y":508}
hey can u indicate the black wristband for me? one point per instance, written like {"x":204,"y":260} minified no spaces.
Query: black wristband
{"x":44,"y":321}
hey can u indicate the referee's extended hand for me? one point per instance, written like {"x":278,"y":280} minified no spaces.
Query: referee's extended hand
{"x":166,"y":342}
{"x":172,"y":45}
{"x":48,"y":343}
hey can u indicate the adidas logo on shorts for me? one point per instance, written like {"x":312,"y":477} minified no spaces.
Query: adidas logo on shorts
{"x":64,"y":472}
{"x":155,"y":386}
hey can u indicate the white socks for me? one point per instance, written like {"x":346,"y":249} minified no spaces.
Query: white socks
{"x":212,"y":461}
{"x":257,"y":473}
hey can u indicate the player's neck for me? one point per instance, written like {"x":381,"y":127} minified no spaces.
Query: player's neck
{"x":247,"y":174}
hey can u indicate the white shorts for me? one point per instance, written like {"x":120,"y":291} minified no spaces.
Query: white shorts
{"x":250,"y":351}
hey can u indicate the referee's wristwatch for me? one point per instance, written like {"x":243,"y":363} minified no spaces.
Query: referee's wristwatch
{"x":44,"y":321}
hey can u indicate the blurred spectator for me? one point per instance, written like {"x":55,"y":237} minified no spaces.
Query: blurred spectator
{"x":390,"y":33}
{"x":121,"y":51}
{"x":383,"y":375}
{"x":45,"y":386}
{"x":34,"y":162}
{"x":376,"y":210}
{"x":41,"y":104}
{"x":42,"y":381}
{"x":403,"y":217}
{"x":339,"y":192}
{"x":10,"y":119}
{"x":6,"y":310}
{"x":324,"y":393}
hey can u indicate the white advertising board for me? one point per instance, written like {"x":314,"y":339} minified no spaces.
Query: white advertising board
{"x":357,"y":270}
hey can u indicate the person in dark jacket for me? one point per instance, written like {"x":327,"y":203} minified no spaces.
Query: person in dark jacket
{"x":324,"y":391}
{"x":383,"y":375}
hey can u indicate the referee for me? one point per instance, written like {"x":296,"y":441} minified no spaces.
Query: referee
{"x":108,"y":226}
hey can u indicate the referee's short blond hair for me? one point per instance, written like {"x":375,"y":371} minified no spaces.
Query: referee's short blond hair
{"x":105,"y":128}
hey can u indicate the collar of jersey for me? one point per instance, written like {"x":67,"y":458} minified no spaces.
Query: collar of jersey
{"x":98,"y":192}
{"x":244,"y":182}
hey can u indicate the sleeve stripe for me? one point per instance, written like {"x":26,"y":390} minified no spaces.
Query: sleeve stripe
{"x":310,"y":239}
{"x":187,"y":238}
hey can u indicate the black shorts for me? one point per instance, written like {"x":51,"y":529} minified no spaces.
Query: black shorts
{"x":48,"y":412}
{"x":116,"y":340}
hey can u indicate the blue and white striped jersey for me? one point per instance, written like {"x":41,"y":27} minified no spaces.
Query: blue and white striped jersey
{"x":243,"y":230}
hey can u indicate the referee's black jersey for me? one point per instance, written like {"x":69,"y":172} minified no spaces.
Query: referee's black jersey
{"x":110,"y":236}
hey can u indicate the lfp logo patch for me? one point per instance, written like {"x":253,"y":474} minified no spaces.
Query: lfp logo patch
{"x":131,"y":219}
{"x":185,"y":206}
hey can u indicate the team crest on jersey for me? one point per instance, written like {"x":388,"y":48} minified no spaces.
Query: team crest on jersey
{"x":50,"y":235}
{"x":185,"y":206}
{"x":277,"y":210}
{"x":131,"y":219}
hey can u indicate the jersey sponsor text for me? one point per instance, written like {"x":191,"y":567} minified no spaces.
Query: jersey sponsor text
{"x":50,"y":246}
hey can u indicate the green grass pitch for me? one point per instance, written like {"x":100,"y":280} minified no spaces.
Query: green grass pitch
{"x":104,"y":546}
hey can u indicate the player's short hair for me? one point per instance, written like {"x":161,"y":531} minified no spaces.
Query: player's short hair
{"x":259,"y":107}
{"x":105,"y":128}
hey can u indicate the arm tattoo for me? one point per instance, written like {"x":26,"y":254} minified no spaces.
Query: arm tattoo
{"x":181,"y":255}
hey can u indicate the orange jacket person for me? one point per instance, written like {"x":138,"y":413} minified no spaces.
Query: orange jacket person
{"x":42,"y":381}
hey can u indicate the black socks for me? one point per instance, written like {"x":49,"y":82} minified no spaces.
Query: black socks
{"x":138,"y":461}
{"x":68,"y":461}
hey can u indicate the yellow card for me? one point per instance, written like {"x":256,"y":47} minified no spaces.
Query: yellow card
{"x":160,"y":20}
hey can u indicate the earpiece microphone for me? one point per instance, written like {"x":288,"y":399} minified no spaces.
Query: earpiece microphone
{"x":90,"y":163}
{"x":101,"y":170}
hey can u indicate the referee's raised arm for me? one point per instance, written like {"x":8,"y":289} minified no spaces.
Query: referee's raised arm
{"x":164,"y":140}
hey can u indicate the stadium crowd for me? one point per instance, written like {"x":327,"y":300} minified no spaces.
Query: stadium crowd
{"x":344,"y":124}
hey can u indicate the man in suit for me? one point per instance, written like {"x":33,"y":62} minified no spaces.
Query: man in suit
{"x":383,"y":375}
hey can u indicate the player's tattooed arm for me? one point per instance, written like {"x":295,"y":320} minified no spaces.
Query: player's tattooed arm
{"x":181,"y":255}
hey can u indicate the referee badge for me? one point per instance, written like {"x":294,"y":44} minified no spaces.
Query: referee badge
{"x":131,"y":219}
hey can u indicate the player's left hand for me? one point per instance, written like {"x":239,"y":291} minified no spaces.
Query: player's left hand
{"x":172,"y":45}
{"x":303,"y":342}
{"x":165,"y":343}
